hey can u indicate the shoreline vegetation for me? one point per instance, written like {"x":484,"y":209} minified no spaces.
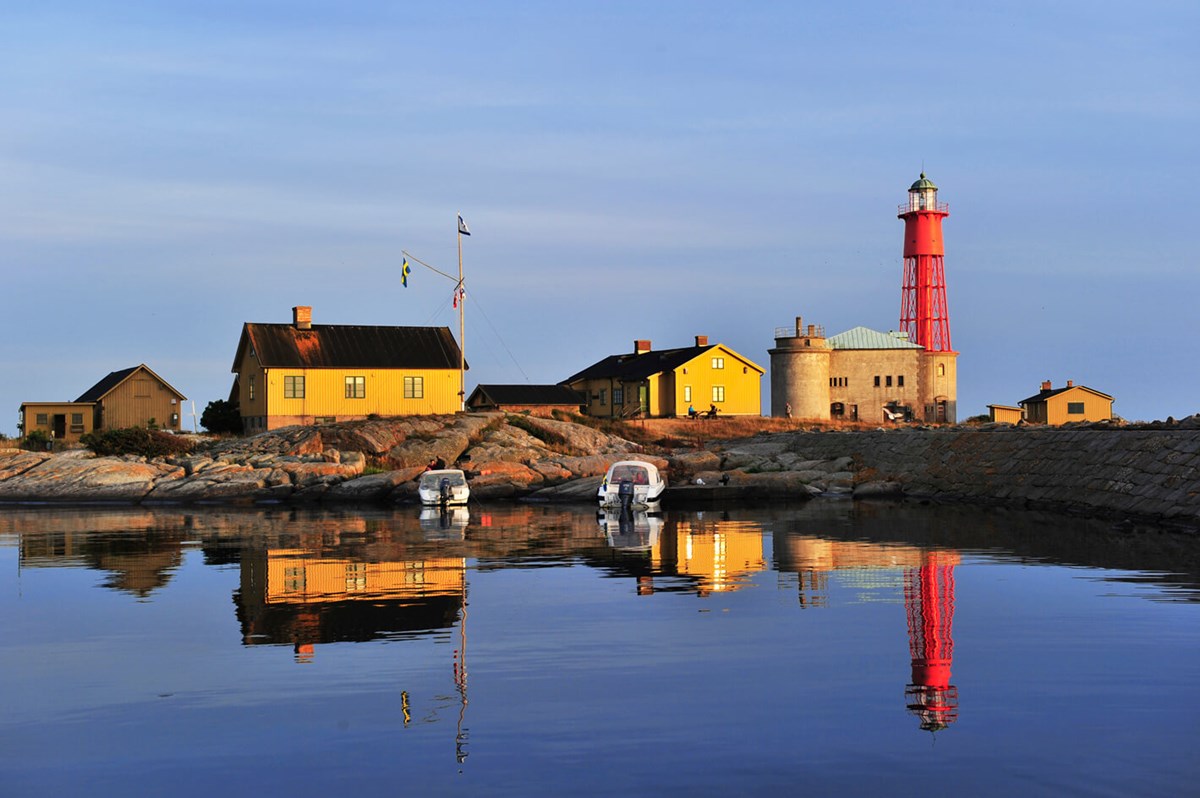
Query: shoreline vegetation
{"x":1132,"y":473}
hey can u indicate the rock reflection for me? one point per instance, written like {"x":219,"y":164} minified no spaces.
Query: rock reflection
{"x":139,"y":554}
{"x":309,"y":577}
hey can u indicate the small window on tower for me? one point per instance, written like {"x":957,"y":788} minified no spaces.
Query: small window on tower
{"x":876,"y":380}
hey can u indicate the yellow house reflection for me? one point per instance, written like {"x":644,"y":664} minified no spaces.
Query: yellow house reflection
{"x":713,"y":554}
{"x":307,"y":597}
{"x":295,"y":576}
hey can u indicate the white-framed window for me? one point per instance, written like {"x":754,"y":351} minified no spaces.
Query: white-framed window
{"x":603,"y":396}
{"x":718,"y":362}
{"x":356,"y":387}
{"x":251,"y":385}
{"x":414,"y":387}
{"x":718,"y":393}
{"x":618,"y":396}
{"x":687,"y":393}
{"x":293,"y":387}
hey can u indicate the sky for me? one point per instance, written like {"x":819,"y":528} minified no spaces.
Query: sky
{"x":628,"y":170}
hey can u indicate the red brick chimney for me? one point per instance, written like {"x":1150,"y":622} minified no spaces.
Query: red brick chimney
{"x":302,"y":317}
{"x":1046,"y":385}
{"x":1070,"y":383}
{"x":701,"y":340}
{"x":640,"y":346}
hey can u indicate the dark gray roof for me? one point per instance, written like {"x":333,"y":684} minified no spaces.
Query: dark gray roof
{"x":1042,"y":396}
{"x":115,"y":378}
{"x":527,"y":395}
{"x":105,"y":385}
{"x":631,"y":367}
{"x":350,"y":346}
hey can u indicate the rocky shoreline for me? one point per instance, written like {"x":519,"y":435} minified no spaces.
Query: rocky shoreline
{"x":1150,"y":473}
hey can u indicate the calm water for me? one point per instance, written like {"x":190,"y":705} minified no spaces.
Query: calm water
{"x":833,"y":648}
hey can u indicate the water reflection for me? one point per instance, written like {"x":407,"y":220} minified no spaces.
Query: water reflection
{"x":929,"y":606}
{"x":630,"y":530}
{"x":308,"y":578}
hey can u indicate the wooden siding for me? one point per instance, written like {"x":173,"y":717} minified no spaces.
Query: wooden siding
{"x":1053,"y":410}
{"x":138,"y":400}
{"x":1004,"y":414}
{"x":741,"y":381}
{"x":325,"y":395}
{"x":67,"y":410}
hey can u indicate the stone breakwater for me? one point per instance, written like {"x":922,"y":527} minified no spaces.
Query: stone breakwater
{"x":1151,"y":472}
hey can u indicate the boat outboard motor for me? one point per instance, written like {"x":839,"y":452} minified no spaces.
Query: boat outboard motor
{"x":444,"y":490}
{"x":625,"y":495}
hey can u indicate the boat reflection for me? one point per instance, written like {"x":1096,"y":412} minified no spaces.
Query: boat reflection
{"x":630,"y":530}
{"x":308,"y":578}
{"x":447,"y":522}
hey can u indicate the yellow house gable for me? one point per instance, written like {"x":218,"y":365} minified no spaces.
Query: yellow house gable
{"x":720,"y":378}
{"x":664,"y":383}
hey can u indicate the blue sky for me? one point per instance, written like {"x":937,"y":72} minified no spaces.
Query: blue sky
{"x":169,"y":171}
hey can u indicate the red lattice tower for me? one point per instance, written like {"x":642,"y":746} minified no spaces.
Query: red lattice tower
{"x":924,"y":314}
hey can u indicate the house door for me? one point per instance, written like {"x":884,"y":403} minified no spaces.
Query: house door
{"x":60,"y":426}
{"x":644,"y":399}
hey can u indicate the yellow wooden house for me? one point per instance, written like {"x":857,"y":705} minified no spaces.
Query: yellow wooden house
{"x":1056,"y":406}
{"x":305,"y":373}
{"x":132,"y":397}
{"x":666,"y":383}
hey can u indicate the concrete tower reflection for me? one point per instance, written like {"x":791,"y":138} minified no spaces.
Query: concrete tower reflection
{"x":929,"y":603}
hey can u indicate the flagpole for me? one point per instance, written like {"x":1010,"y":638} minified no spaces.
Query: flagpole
{"x":462,"y":344}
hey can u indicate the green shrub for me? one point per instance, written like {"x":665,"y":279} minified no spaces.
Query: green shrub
{"x":221,"y":415}
{"x":37,"y":441}
{"x":137,"y":441}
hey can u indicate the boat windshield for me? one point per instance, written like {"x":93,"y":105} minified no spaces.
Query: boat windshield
{"x":432,"y":479}
{"x":639,"y":475}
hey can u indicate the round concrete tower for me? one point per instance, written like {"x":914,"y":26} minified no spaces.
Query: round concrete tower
{"x":800,"y":372}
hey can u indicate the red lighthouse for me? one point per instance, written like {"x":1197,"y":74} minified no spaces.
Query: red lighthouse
{"x":924,"y":314}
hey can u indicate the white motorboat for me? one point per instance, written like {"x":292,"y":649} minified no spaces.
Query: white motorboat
{"x":631,"y":483}
{"x":443,"y":486}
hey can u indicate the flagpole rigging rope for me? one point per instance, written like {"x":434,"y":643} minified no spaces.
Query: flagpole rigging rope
{"x":415,"y":259}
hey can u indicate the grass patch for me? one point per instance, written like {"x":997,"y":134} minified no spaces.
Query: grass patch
{"x":548,"y":437}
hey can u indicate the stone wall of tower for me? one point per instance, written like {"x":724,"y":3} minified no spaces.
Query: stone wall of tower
{"x":864,"y":381}
{"x":939,"y":386}
{"x":800,"y":374}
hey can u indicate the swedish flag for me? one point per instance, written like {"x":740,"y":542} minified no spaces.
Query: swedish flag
{"x":404,"y":274}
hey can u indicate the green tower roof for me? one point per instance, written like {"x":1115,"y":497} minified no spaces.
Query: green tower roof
{"x":923,"y":184}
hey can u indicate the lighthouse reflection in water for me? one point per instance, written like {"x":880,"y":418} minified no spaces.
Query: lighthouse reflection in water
{"x":589,"y":637}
